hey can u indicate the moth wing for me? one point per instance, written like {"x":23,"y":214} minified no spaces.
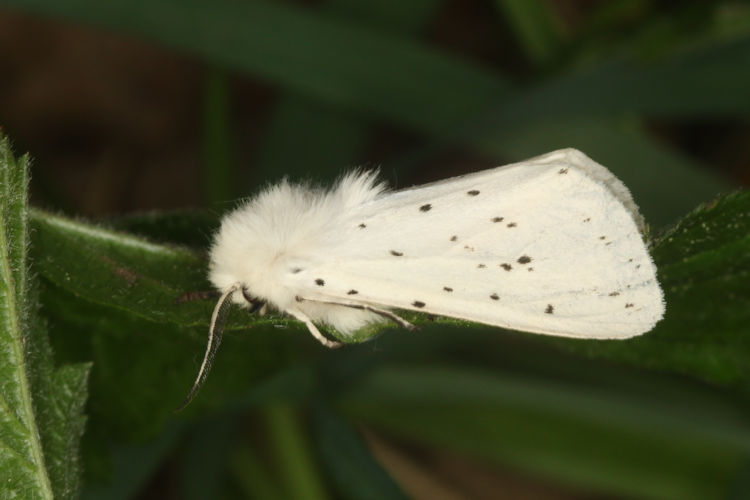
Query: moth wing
{"x":551,"y":245}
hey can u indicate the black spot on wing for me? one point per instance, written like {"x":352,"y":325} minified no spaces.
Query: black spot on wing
{"x":296,"y":270}
{"x":512,"y":224}
{"x":562,"y":171}
{"x":587,"y":219}
{"x":425,"y":208}
{"x":628,"y":305}
{"x":454,"y":237}
{"x":447,"y":289}
{"x":495,"y":296}
{"x":320,"y":282}
{"x":602,"y":237}
{"x":396,"y":254}
{"x":498,"y":219}
{"x":473,"y":192}
{"x":506,"y":266}
{"x":418,"y":303}
{"x":481,"y":266}
{"x":524,"y":259}
{"x":614,"y":294}
{"x":352,"y":292}
{"x":362,"y":225}
{"x":549,"y":309}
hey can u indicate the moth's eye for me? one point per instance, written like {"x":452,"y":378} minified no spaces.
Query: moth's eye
{"x":255,"y":303}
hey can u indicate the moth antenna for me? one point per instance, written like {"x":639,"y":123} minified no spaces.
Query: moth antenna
{"x":313,"y":329}
{"x":215,"y":332}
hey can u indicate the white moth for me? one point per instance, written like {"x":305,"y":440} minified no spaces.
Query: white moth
{"x":550,"y":245}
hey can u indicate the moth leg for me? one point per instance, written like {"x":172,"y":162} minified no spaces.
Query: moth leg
{"x":385,"y":313}
{"x":314,"y":329}
{"x":381,"y":312}
{"x":263,"y":309}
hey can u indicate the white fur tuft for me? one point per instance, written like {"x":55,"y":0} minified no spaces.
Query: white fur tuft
{"x":288,"y":227}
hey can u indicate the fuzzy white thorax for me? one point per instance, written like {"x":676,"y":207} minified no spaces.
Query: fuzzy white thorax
{"x":285,"y":228}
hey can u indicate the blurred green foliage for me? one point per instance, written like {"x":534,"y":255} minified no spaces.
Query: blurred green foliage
{"x":662,"y":416}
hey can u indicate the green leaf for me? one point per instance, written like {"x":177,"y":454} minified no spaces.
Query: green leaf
{"x":59,"y":401}
{"x":42,"y":407}
{"x":22,"y":468}
{"x":14,"y":234}
{"x":125,"y":272}
{"x":115,"y":298}
{"x":168,"y":357}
